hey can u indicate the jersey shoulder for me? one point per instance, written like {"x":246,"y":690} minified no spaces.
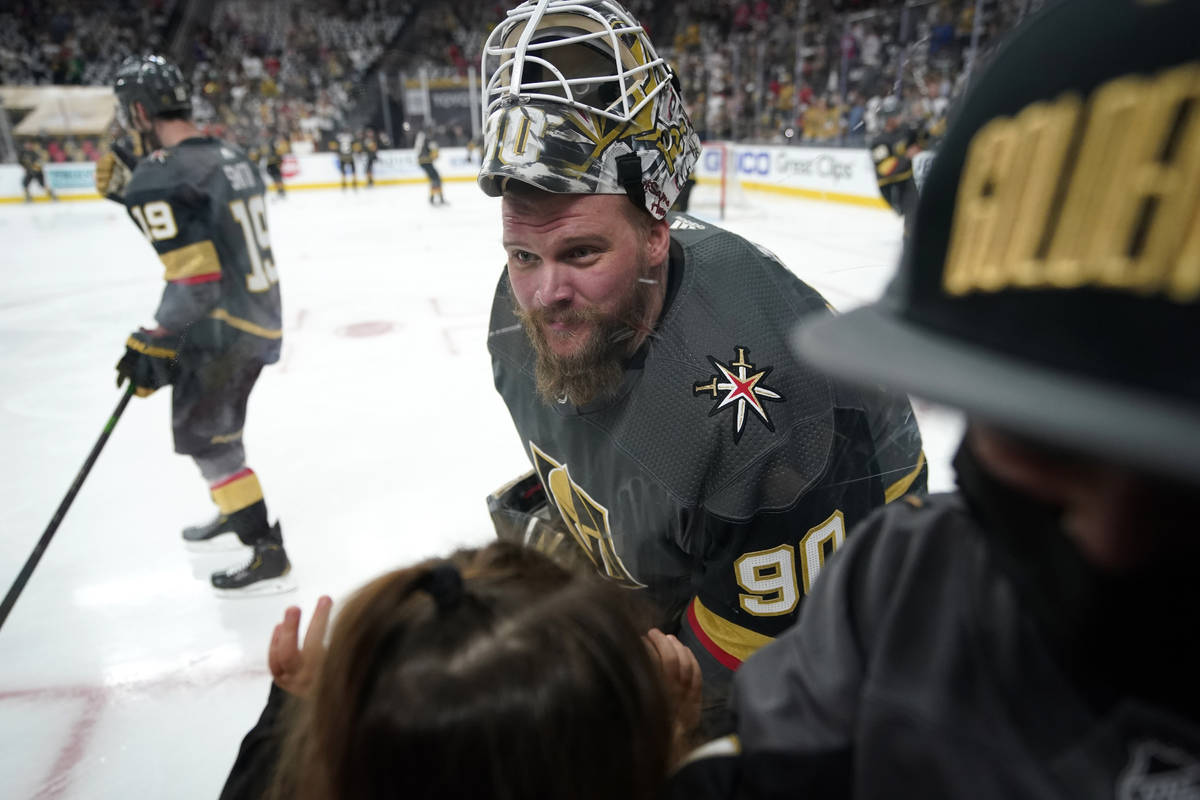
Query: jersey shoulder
{"x":157,"y":176}
{"x":164,"y":171}
{"x":731,"y":317}
{"x":191,"y":171}
{"x":736,"y":267}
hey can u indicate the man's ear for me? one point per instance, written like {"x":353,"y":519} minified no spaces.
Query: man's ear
{"x":658,"y":243}
{"x":141,"y":120}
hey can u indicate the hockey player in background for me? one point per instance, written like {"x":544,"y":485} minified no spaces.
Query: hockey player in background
{"x":892,"y":150}
{"x":31,"y":162}
{"x":200,"y":203}
{"x":644,"y":359}
{"x":275,"y":149}
{"x":474,"y":149}
{"x":1032,"y":635}
{"x":371,"y":147}
{"x":345,"y":145}
{"x":427,"y":153}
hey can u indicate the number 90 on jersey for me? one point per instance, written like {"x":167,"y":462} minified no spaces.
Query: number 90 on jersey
{"x":772,"y":578}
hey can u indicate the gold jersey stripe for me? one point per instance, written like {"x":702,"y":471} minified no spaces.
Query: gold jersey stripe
{"x":898,"y":488}
{"x":190,"y":261}
{"x":888,"y":181}
{"x":238,"y":494}
{"x":735,"y":640}
{"x":134,"y":343}
{"x":226,"y":438}
{"x":244,"y":324}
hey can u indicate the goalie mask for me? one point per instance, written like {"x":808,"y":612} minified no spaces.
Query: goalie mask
{"x":576,"y":101}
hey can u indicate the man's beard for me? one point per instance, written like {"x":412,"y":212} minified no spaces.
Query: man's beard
{"x":596,"y":369}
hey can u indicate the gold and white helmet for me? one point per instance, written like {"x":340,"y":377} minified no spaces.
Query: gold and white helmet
{"x":576,"y":101}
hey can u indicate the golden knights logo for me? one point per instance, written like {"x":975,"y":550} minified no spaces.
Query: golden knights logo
{"x":586,"y":519}
{"x":743,"y":388}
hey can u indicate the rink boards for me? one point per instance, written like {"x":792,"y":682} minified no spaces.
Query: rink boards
{"x":843,"y":175}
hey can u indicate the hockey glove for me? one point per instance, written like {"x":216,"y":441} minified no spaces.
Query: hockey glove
{"x":522,"y":514}
{"x":112,"y":176}
{"x":150,"y":361}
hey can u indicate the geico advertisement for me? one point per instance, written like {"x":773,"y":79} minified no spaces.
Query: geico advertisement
{"x":827,"y":169}
{"x":838,"y":168}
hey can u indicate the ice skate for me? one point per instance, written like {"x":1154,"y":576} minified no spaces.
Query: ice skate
{"x":221,"y":533}
{"x":267,"y":572}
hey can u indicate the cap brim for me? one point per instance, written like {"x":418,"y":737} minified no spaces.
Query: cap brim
{"x":873,"y":346}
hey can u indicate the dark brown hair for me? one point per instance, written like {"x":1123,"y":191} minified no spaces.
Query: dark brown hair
{"x":519,"y":681}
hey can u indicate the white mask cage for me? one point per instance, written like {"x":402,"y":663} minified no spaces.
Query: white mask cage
{"x":535,"y":35}
{"x":577,"y":101}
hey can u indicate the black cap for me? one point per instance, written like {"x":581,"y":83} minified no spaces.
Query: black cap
{"x":1051,"y":282}
{"x":155,"y":83}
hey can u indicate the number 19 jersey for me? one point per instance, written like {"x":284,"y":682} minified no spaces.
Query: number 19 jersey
{"x":202,"y":205}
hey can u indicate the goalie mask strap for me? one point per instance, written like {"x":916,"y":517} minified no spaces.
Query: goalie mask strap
{"x":629,"y":174}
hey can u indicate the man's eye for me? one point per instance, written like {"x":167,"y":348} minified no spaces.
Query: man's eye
{"x":581,"y":252}
{"x":522,"y":256}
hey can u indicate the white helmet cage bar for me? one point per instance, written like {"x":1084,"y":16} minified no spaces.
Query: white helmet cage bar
{"x":576,"y":101}
{"x":511,"y":60}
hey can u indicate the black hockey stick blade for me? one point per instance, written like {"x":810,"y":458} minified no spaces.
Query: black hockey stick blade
{"x":18,"y":586}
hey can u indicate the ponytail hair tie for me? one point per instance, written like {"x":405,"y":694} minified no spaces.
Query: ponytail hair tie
{"x":444,"y":584}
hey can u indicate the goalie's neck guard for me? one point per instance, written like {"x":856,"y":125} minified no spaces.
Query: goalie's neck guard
{"x":577,"y":101}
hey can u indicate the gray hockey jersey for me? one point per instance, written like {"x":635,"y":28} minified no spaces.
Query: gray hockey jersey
{"x":201,"y":205}
{"x":723,"y":472}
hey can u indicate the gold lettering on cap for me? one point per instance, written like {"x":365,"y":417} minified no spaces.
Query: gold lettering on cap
{"x":1055,"y":198}
{"x":1047,"y":132}
{"x":1006,"y":195}
{"x":1112,"y":113}
{"x":1169,"y":244}
{"x":978,"y":211}
{"x":1141,"y":229}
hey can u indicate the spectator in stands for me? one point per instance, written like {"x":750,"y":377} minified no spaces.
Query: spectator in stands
{"x":299,"y":67}
{"x":855,"y":130}
{"x":256,"y":61}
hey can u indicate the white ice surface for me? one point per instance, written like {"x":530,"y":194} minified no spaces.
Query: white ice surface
{"x":121,"y":674}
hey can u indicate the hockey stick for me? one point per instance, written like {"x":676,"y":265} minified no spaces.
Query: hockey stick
{"x":18,"y":586}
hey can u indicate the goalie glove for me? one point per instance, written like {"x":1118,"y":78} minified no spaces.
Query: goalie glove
{"x":112,"y":176}
{"x":150,"y":361}
{"x":522,"y":514}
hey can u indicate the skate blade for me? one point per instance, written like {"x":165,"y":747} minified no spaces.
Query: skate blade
{"x":280,"y":585}
{"x":221,"y":543}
